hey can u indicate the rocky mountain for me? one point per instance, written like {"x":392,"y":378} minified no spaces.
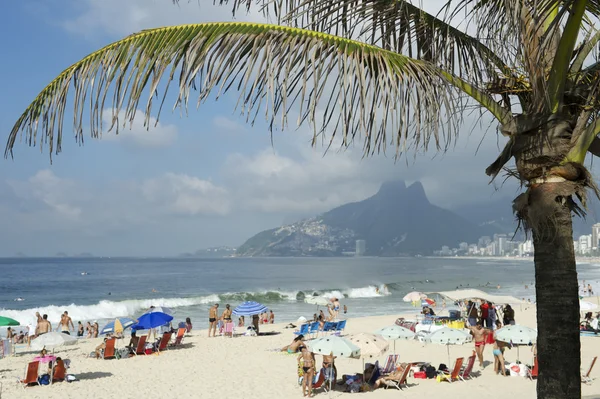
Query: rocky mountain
{"x":398,"y":220}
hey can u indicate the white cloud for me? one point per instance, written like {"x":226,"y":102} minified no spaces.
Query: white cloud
{"x":135,"y":134}
{"x":123,"y":17}
{"x":47,"y":188}
{"x":186,"y":195}
{"x":226,"y":124}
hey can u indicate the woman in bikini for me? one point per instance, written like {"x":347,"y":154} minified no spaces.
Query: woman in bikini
{"x":308,"y":367}
{"x":227,"y":314}
{"x":294,"y":347}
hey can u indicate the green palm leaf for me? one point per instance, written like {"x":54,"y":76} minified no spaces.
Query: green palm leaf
{"x":373,"y":92}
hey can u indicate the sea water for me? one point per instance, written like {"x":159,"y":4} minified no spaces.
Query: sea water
{"x":98,"y":289}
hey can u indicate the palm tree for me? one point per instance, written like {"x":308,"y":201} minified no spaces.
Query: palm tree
{"x":390,"y":74}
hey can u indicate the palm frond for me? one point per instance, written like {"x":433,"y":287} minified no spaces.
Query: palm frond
{"x":393,"y":24}
{"x":339,"y":86}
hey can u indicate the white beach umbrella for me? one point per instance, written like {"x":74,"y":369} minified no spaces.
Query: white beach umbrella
{"x":371,"y":345}
{"x":52,"y":340}
{"x":336,"y":346}
{"x":449,"y":336}
{"x":516,"y":335}
{"x":394,"y":332}
{"x":585,"y":306}
{"x":414,"y":296}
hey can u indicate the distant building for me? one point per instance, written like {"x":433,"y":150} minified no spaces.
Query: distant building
{"x":361,"y":247}
{"x":595,"y":235}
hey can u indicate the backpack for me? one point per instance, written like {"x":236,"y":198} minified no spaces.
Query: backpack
{"x":430,"y":372}
{"x":44,"y":379}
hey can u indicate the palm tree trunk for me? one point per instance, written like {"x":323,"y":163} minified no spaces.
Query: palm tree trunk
{"x":556,"y":289}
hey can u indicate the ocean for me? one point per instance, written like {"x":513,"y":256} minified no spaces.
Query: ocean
{"x":116,"y":287}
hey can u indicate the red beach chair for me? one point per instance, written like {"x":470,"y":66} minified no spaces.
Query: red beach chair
{"x":109,"y":351}
{"x":164,"y":342}
{"x":31,"y":374}
{"x":533,"y":372}
{"x":466,"y":373}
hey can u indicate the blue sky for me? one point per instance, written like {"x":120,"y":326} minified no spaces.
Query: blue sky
{"x":208,"y":179}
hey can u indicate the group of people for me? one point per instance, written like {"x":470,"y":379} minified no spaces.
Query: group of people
{"x":487,"y":315}
{"x":215,"y":321}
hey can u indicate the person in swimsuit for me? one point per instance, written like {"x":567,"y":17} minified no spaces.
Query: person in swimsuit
{"x":499,"y":348}
{"x":89,"y":329}
{"x":213,"y":315}
{"x":133,"y":343}
{"x":79,"y":329}
{"x":479,"y":335}
{"x":66,"y":324}
{"x":96,"y":329}
{"x":309,"y":370}
{"x":395,"y":375}
{"x":271,"y":317}
{"x":188,"y":324}
{"x":44,"y":326}
{"x":241,"y":321}
{"x":10,"y":334}
{"x":345,"y":309}
{"x":330,"y":369}
{"x":295,"y":345}
{"x":227,"y":314}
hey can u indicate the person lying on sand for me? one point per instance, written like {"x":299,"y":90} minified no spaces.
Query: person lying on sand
{"x":396,"y":375}
{"x":294,"y":347}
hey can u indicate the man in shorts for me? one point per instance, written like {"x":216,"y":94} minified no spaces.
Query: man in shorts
{"x":213,"y":316}
{"x":66,"y":324}
{"x":479,"y":335}
{"x":44,"y":326}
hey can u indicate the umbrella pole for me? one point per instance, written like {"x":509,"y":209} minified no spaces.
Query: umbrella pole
{"x":448,"y":347}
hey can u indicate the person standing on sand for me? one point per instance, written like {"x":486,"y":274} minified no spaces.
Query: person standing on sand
{"x":345,"y":309}
{"x":255,"y":322}
{"x":308,"y":367}
{"x":79,"y":329}
{"x":213,"y":316}
{"x":271,"y":317}
{"x":66,"y":324}
{"x":479,"y":335}
{"x":44,"y":326}
{"x":499,"y":348}
{"x":590,"y":290}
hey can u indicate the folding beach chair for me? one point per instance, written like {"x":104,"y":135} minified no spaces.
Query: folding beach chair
{"x":179,"y":337}
{"x":109,"y":350}
{"x":399,"y":382}
{"x":390,"y":365}
{"x":444,"y":376}
{"x":141,"y":346}
{"x":164,"y":341}
{"x":303,"y":330}
{"x":341,"y":325}
{"x":465,"y":374}
{"x":585,"y":378}
{"x":533,"y":372}
{"x":314,"y":329}
{"x":31,"y":374}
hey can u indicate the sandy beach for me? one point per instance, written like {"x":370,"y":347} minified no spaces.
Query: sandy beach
{"x":229,"y":367}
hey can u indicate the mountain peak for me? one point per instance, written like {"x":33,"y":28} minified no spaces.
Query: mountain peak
{"x":392,"y":188}
{"x":417,"y":192}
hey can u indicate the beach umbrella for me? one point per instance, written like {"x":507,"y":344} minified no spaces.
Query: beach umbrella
{"x":7,"y":321}
{"x":160,"y":309}
{"x":414,"y":296}
{"x":394,"y":332}
{"x":585,"y":306}
{"x":371,"y":345}
{"x":516,"y":335}
{"x":52,"y":340}
{"x":449,"y":336}
{"x":118,"y":325}
{"x":249,"y":308}
{"x":148,"y":321}
{"x":427,"y":302}
{"x":336,"y":346}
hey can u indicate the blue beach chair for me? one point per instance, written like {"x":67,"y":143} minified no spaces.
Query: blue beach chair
{"x":314,"y":329}
{"x":341,"y":325}
{"x":303,"y":330}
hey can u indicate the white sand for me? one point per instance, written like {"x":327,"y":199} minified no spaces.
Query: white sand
{"x":244,"y":366}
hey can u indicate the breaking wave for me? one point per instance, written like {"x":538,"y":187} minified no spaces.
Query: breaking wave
{"x":134,"y":307}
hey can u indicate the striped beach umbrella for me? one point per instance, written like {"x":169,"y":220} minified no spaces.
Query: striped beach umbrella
{"x":118,"y":325}
{"x":249,"y":308}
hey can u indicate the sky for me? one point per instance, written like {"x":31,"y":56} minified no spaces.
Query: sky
{"x":208,"y":179}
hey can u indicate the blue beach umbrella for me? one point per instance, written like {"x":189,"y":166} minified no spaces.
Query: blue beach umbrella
{"x":249,"y":308}
{"x":118,"y":325}
{"x":148,"y":321}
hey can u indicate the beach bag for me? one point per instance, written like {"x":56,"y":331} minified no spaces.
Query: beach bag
{"x":44,"y":379}
{"x":515,"y":369}
{"x":443,"y":367}
{"x":421,"y":375}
